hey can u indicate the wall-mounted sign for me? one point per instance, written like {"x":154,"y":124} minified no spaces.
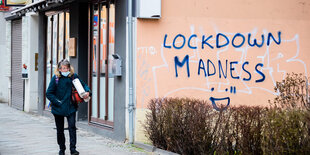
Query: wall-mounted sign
{"x":72,"y":47}
{"x":95,"y":20}
{"x":36,"y":57}
{"x":25,"y":72}
{"x":3,"y":7}
{"x":17,"y":2}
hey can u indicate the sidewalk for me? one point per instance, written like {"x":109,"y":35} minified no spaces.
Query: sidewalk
{"x":22,"y":133}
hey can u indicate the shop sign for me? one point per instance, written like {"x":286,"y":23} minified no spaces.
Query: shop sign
{"x":72,"y":47}
{"x":17,"y":2}
{"x":3,"y":7}
{"x":25,"y":72}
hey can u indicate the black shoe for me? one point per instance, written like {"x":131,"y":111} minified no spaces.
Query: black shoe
{"x":62,"y":152}
{"x":74,"y":152}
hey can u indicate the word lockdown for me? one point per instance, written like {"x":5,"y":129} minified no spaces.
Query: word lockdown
{"x":219,"y":36}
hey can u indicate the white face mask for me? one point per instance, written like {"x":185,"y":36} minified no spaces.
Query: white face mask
{"x":65,"y":73}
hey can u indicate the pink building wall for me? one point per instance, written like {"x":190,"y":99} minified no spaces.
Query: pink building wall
{"x":159,"y":42}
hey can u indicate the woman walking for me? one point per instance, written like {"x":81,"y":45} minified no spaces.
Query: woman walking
{"x":59,"y":93}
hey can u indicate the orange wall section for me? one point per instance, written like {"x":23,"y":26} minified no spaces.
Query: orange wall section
{"x":155,"y":61}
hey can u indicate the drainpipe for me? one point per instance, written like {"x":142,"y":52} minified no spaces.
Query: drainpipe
{"x":131,"y":105}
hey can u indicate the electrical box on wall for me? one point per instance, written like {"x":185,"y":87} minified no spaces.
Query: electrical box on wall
{"x":150,"y":9}
{"x":116,"y":65}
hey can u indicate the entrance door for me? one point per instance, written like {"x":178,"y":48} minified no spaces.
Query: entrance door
{"x":102,"y":29}
{"x":57,"y":45}
{"x":17,"y":84}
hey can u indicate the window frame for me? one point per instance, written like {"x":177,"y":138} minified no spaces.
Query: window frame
{"x":97,"y":120}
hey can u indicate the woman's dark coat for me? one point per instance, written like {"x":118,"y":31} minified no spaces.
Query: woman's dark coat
{"x":60,"y":95}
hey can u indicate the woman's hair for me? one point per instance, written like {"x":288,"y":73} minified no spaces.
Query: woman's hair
{"x":64,"y":62}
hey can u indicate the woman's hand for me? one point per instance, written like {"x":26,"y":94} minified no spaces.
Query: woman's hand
{"x":86,"y":95}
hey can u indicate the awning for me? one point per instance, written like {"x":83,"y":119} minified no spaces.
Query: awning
{"x":40,"y":5}
{"x":30,"y":7}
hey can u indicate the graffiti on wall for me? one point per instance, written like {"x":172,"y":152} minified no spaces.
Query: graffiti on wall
{"x":203,"y":55}
{"x":220,"y":68}
{"x":143,"y":71}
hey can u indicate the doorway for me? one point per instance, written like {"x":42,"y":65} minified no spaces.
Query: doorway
{"x":57,"y":44}
{"x":102,"y":47}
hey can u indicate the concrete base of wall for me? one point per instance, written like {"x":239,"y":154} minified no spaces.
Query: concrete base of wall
{"x":139,"y":129}
{"x":152,"y":148}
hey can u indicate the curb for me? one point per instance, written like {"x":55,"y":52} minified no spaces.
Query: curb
{"x":152,"y":148}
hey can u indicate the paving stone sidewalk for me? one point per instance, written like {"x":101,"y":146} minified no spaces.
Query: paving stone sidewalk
{"x":22,"y":133}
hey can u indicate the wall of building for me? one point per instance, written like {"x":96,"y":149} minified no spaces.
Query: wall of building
{"x":207,"y":34}
{"x":79,"y":30}
{"x":42,"y":22}
{"x":8,"y":52}
{"x":30,"y":47}
{"x":4,"y":60}
{"x":120,"y":97}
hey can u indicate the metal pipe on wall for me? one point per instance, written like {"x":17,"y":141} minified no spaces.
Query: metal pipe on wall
{"x":131,"y":106}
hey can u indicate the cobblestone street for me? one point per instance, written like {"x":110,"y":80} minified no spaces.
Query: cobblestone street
{"x":22,"y":133}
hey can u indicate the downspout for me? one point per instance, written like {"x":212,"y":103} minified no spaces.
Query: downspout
{"x":131,"y":105}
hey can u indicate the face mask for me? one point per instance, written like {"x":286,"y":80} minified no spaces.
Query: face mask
{"x":65,"y":73}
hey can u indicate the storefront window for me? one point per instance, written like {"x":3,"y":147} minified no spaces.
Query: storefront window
{"x":48,"y":53}
{"x":61,"y":42}
{"x":95,"y":63}
{"x":110,"y":59}
{"x":102,"y":104}
{"x":67,"y":22}
{"x":103,"y":57}
{"x":56,"y":43}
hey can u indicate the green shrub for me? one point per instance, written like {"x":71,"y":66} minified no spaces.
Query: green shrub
{"x":190,"y":126}
{"x":180,"y":125}
{"x":286,"y":132}
{"x":293,"y":92}
{"x":247,"y":125}
{"x":287,"y":121}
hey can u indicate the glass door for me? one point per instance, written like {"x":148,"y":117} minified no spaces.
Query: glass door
{"x":102,"y":81}
{"x":56,"y":44}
